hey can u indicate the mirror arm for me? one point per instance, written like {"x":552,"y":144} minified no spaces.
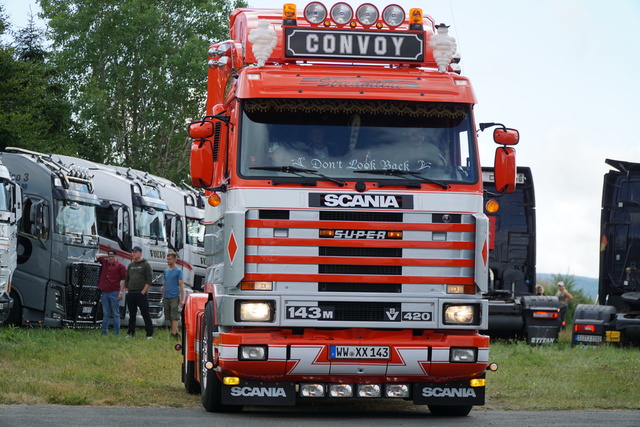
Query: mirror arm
{"x":218,"y":116}
{"x":484,"y":126}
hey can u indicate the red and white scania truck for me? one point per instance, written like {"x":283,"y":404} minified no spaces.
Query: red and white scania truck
{"x":346,"y":242}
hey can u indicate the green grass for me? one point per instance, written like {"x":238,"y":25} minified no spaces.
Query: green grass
{"x":69,"y":367}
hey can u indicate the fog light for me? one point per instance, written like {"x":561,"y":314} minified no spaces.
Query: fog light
{"x":368,"y":390}
{"x":252,"y":352}
{"x":340,"y":390}
{"x":463,"y":355}
{"x":396,"y":390}
{"x":312,"y":390}
{"x":231,"y":381}
{"x":478,"y":382}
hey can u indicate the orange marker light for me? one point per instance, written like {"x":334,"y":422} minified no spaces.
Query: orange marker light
{"x":214,"y":200}
{"x":492,"y":206}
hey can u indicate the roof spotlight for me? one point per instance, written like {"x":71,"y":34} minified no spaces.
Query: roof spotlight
{"x":341,"y":13}
{"x":315,"y":12}
{"x":367,"y":14}
{"x":393,"y":15}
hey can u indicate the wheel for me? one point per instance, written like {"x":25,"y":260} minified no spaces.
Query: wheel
{"x":211,"y":386}
{"x":13,"y":316}
{"x":188,"y":367}
{"x":450,"y":411}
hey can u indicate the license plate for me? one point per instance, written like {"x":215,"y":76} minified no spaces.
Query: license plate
{"x":359,"y":352}
{"x":87,"y":310}
{"x":589,"y":338}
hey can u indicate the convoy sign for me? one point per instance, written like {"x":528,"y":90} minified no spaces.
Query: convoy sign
{"x":354,"y":44}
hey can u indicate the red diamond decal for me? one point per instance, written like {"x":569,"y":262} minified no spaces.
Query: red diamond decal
{"x":485,"y":253}
{"x":232,"y":247}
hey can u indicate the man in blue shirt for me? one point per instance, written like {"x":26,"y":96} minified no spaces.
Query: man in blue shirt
{"x":173,"y":293}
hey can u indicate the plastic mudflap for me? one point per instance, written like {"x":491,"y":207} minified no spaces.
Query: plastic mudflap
{"x":252,"y":392}
{"x":450,"y":393}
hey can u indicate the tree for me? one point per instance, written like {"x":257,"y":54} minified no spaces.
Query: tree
{"x":33,"y":111}
{"x":137,"y":74}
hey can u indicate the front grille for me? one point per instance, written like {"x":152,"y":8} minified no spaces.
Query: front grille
{"x":379,"y":270}
{"x":360,"y":311}
{"x":84,"y":274}
{"x":273,"y":214}
{"x":361,"y":251}
{"x":82,"y":296}
{"x":287,"y":247}
{"x":360,"y":287}
{"x":361,"y":216}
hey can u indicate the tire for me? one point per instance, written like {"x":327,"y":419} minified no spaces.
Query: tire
{"x":450,"y":411}
{"x":13,"y":316}
{"x":211,"y":386}
{"x":188,"y":367}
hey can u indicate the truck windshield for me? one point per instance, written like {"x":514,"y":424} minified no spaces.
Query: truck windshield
{"x":342,"y":139}
{"x":195,"y":232}
{"x":75,"y":218}
{"x":149,"y":222}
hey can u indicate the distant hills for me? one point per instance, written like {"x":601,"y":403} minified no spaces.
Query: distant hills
{"x":589,"y":285}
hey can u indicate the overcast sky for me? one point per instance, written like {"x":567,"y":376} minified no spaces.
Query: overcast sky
{"x":565,"y":74}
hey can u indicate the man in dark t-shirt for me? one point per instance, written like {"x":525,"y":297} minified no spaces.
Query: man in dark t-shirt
{"x":137,"y":283}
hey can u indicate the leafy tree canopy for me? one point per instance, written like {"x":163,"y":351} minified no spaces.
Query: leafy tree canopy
{"x":34,"y":113}
{"x":136,"y":73}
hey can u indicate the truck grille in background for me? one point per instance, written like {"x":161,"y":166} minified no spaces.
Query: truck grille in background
{"x":198,"y":283}
{"x":285,"y":246}
{"x":82,"y":295}
{"x":155,"y":295}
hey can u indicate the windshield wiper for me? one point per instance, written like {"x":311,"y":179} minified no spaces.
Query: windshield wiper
{"x":298,"y":171}
{"x":399,"y":172}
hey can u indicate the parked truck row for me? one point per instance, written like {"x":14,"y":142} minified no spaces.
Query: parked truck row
{"x":73,"y":208}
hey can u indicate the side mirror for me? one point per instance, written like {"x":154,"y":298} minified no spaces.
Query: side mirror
{"x":201,"y":163}
{"x":201,"y":130}
{"x":506,"y":136}
{"x":505,"y":172}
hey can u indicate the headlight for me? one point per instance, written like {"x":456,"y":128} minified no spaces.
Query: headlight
{"x":460,"y":314}
{"x":255,"y":311}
